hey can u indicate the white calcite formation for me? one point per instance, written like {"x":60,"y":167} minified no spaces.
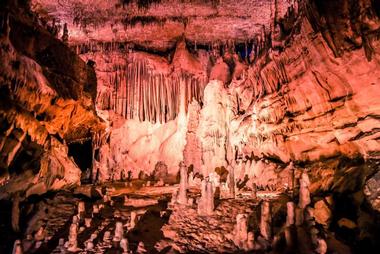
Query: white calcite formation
{"x":206,"y":201}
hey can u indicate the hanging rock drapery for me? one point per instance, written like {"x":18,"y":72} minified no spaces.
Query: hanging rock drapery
{"x":141,"y":93}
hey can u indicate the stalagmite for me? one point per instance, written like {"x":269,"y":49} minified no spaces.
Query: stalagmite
{"x":183,"y":185}
{"x":206,"y":201}
{"x":119,"y":232}
{"x":107,"y":236}
{"x":290,"y":220}
{"x":124,"y":245}
{"x":304,"y":195}
{"x":242,"y":238}
{"x":73,"y":234}
{"x":40,"y":235}
{"x":95,"y":210}
{"x":321,"y":246}
{"x":133,"y":220}
{"x":89,"y":245}
{"x":266,"y":221}
{"x":81,"y":209}
{"x":240,"y":99}
{"x":17,"y":249}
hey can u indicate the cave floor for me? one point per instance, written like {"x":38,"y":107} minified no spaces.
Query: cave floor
{"x":161,"y":226}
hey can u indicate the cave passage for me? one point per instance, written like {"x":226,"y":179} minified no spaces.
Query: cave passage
{"x":82,"y":154}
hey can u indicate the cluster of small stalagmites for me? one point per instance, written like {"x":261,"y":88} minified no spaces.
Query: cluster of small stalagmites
{"x":108,"y":241}
{"x":32,"y":242}
{"x":302,"y":215}
{"x":242,"y":237}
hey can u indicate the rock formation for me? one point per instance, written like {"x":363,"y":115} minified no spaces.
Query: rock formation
{"x":206,"y":201}
{"x":290,"y":215}
{"x":73,"y":234}
{"x":304,"y":196}
{"x":183,"y":184}
{"x":269,"y":107}
{"x":119,"y":232}
{"x":266,"y":221}
{"x":43,"y":107}
{"x":242,"y":237}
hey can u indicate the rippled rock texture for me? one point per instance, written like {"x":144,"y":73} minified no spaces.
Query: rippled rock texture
{"x":47,"y":101}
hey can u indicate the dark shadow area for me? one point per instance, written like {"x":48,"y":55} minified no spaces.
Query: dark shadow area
{"x":148,"y":228}
{"x":82,"y":154}
{"x":7,"y":235}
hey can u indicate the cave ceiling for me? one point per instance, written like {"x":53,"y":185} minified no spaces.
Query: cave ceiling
{"x":157,"y":25}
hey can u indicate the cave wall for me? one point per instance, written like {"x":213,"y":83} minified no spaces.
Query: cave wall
{"x":42,"y":106}
{"x":306,"y":98}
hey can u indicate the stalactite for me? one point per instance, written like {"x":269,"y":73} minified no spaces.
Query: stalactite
{"x":138,"y":92}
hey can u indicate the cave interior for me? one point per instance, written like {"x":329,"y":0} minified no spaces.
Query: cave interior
{"x":189,"y":126}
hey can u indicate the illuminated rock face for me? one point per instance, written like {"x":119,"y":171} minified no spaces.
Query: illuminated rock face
{"x":295,"y":103}
{"x":42,"y":109}
{"x":297,"y":92}
{"x":255,"y":100}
